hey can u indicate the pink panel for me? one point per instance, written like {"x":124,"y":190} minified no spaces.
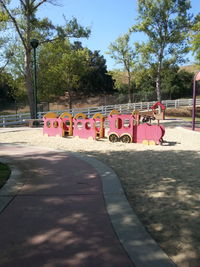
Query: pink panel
{"x":148,"y":132}
{"x":84,"y":128}
{"x":121,"y":124}
{"x":50,"y":126}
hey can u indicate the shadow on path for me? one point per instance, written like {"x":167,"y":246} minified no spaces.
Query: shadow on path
{"x":58,"y":218}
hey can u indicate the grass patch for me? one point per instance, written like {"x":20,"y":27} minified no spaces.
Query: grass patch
{"x":189,"y":119}
{"x":4,"y":173}
{"x":182,"y":112}
{"x":185,"y":118}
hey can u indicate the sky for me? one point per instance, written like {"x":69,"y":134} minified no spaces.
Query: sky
{"x":107,"y":19}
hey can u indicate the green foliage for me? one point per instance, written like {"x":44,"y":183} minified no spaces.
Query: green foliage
{"x":23,"y":17}
{"x":72,"y":29}
{"x":96,"y":80}
{"x":195,"y":38}
{"x":176,"y":82}
{"x":4,"y":173}
{"x":6,"y":87}
{"x":165,"y":24}
{"x":59,"y":69}
{"x":123,"y":54}
{"x":71,"y":70}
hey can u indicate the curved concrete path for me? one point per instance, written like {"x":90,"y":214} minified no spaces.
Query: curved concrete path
{"x":60,"y":208}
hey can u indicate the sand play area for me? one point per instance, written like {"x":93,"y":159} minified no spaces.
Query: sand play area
{"x":162,"y":183}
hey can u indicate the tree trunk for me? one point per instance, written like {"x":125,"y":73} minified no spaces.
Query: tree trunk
{"x":158,"y":91}
{"x":70,"y":100}
{"x":129,"y":87}
{"x":28,"y":72}
{"x":158,"y":78}
{"x":29,"y":84}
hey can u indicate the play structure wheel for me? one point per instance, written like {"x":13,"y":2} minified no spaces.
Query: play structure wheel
{"x":113,"y":138}
{"x":125,"y":138}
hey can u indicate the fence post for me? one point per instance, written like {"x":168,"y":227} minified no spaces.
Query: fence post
{"x":39,"y":115}
{"x":105,"y":111}
{"x":88,"y":113}
{"x":20,"y":117}
{"x":4,"y":122}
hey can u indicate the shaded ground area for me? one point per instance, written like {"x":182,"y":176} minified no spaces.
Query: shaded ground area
{"x":4,"y":173}
{"x":58,"y":218}
{"x":164,"y":192}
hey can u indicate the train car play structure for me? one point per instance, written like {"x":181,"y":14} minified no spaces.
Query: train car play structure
{"x":127,"y":128}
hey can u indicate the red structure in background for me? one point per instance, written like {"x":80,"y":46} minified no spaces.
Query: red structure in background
{"x":196,"y":78}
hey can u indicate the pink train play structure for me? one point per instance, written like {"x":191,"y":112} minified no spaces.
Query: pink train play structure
{"x":126,"y":128}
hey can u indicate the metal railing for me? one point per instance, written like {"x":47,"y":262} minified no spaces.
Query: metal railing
{"x":22,"y":118}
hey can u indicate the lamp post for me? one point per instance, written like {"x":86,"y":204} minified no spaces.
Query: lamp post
{"x":196,"y":78}
{"x":34,"y":44}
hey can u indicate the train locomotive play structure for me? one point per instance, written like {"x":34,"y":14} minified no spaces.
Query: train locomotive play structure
{"x":127,"y":128}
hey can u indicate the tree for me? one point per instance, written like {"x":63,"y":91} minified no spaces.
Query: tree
{"x":195,"y":38}
{"x":6,"y":87}
{"x":28,"y":26}
{"x":166,"y":24}
{"x":69,"y":69}
{"x":96,"y":80}
{"x":5,"y":54}
{"x":60,"y":70}
{"x":123,"y":54}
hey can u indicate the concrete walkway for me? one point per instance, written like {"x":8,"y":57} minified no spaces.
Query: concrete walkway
{"x":61,"y":209}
